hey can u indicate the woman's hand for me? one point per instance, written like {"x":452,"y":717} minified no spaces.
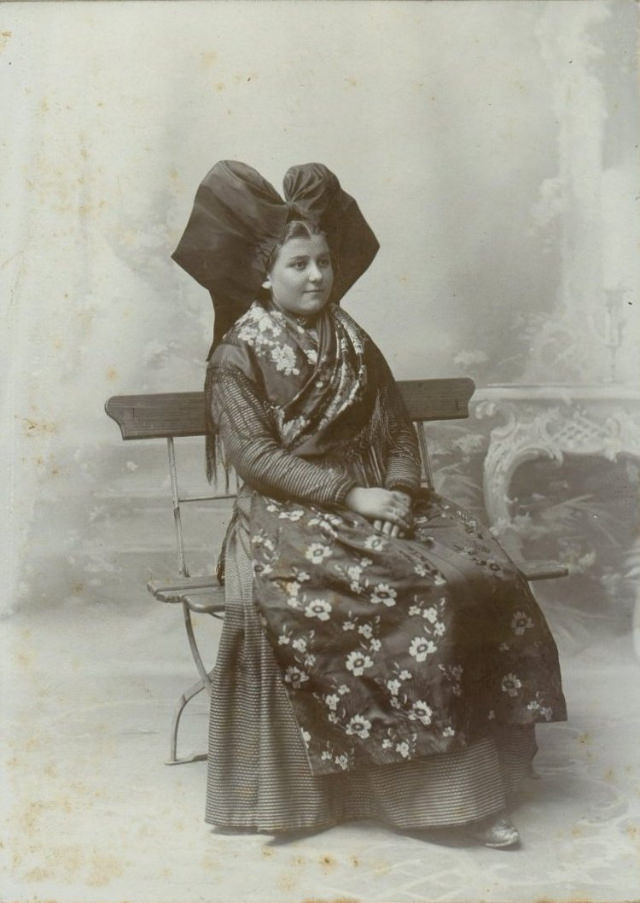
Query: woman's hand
{"x":386,"y":527}
{"x":386,"y":508}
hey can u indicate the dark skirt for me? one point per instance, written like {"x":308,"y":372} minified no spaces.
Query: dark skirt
{"x":259,"y":774}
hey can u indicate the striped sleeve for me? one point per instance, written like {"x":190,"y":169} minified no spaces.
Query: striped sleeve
{"x":251,"y":446}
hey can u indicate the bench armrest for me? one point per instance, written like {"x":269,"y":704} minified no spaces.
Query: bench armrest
{"x":203,"y":594}
{"x":542,"y":570}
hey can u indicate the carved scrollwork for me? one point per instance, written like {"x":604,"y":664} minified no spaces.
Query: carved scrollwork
{"x":551,"y":427}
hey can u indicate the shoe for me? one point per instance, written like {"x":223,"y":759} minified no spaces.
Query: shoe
{"x":496,"y":832}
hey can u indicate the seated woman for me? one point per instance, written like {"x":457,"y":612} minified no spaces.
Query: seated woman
{"x":381,"y":656}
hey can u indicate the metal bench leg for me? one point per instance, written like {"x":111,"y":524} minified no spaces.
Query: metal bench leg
{"x":203,"y":684}
{"x":195,"y":652}
{"x":186,"y":697}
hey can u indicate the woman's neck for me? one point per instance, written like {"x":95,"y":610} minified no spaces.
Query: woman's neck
{"x":305,"y":322}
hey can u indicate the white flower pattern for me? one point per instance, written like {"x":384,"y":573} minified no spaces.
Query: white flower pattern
{"x":336,"y":606}
{"x":360,"y":726}
{"x":318,"y":608}
{"x":317,"y":552}
{"x":358,"y":663}
{"x":384,"y":594}
{"x":420,"y":647}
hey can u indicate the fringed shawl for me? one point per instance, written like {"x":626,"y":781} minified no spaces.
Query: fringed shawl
{"x":325,"y":389}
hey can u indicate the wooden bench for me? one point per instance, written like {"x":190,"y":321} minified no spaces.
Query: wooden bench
{"x":181,"y":414}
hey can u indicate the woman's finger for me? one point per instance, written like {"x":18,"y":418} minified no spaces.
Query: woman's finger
{"x":377,"y":525}
{"x":395,"y":531}
{"x":387,"y":527}
{"x":399,"y":518}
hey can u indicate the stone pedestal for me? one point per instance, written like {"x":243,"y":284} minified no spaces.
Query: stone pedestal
{"x":552,"y":421}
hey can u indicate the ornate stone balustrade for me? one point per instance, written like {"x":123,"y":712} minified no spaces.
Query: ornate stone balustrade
{"x":553,"y":421}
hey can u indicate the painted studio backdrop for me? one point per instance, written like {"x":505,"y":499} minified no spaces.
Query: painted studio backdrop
{"x":491,"y":146}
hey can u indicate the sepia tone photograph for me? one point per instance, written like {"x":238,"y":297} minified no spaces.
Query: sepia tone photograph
{"x":321,"y":447}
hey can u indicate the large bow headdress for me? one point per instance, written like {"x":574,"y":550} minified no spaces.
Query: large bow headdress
{"x":238,"y":218}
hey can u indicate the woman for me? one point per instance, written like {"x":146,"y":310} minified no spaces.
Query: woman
{"x":381,"y":656}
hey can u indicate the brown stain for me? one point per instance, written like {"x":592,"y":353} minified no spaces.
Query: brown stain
{"x":38,"y":874}
{"x":245,"y":79}
{"x":220,"y":86}
{"x":42,"y":465}
{"x":287,"y":882}
{"x":111,"y":374}
{"x":327,"y":861}
{"x":584,"y":738}
{"x":570,"y":900}
{"x":24,"y":660}
{"x":32,"y":744}
{"x":208,"y":58}
{"x":5,"y":36}
{"x":34,"y":428}
{"x":209,"y":862}
{"x":355,"y":861}
{"x":335,"y":900}
{"x":610,"y":775}
{"x":103,"y":868}
{"x":351,"y":82}
{"x":65,"y":863}
{"x":31,"y":815}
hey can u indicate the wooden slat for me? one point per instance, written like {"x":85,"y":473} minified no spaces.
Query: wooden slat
{"x":437,"y":399}
{"x":158,"y":416}
{"x":202,"y":594}
{"x":542,"y":570}
{"x":181,"y":584}
{"x":182,"y":413}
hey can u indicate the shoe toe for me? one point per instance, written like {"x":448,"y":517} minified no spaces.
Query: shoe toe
{"x":499,"y":835}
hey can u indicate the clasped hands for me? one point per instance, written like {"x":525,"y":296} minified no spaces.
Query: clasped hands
{"x":389,"y":509}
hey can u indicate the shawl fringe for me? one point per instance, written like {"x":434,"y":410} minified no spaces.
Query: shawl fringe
{"x":214,"y":450}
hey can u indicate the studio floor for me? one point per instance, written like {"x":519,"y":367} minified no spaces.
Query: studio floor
{"x":92,"y":814}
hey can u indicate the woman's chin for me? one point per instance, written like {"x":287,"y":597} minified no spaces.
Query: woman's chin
{"x":311,"y":304}
{"x":308,"y":305}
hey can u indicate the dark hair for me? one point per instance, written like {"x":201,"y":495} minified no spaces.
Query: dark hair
{"x":295,"y":228}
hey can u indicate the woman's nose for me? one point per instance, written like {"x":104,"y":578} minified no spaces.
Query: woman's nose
{"x":315,"y":273}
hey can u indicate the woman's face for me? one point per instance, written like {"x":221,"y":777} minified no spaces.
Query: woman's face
{"x":301,"y":276}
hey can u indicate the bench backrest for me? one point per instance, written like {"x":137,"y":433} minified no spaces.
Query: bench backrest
{"x":161,"y":416}
{"x":174,"y":415}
